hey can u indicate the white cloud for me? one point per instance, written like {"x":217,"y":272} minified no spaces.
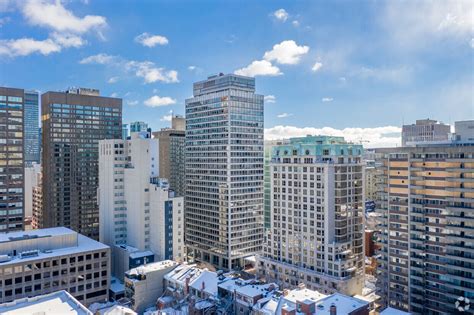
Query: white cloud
{"x":327,"y":99}
{"x":286,"y":52}
{"x":401,"y":74}
{"x":316,"y":66}
{"x":388,"y":136}
{"x":101,"y":59}
{"x":414,"y":24}
{"x":259,"y":67}
{"x":132,"y":103}
{"x":68,"y":40}
{"x":472,"y":42}
{"x":150,"y":40}
{"x":269,"y":98}
{"x":27,"y":46}
{"x":113,"y":80}
{"x":281,"y":15}
{"x":157,"y":101}
{"x":53,"y":15}
{"x":114,"y":94}
{"x":167,"y":117}
{"x":296,"y":23}
{"x":342,"y":79}
{"x":150,"y":73}
{"x":284,"y":115}
{"x":192,"y":68}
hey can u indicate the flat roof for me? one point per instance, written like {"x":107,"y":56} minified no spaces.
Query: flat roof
{"x":14,"y":236}
{"x":160,"y":265}
{"x":344,"y":304}
{"x":393,"y":311}
{"x":59,"y":302}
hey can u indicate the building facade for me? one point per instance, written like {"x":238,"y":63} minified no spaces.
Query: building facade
{"x":73,"y":123}
{"x":426,"y":206}
{"x":137,"y":208}
{"x":317,"y":221}
{"x":31,"y":134}
{"x":32,"y":179}
{"x":464,"y":131}
{"x":138,"y":126}
{"x":425,"y":130}
{"x":11,"y":159}
{"x":224,"y":171}
{"x":172,"y":154}
{"x":48,"y":260}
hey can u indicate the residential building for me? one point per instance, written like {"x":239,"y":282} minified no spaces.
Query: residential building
{"x":425,"y":130}
{"x":172,"y":154}
{"x":224,"y":171}
{"x":125,"y":131}
{"x":144,"y":284}
{"x":137,"y":208}
{"x":37,"y":202}
{"x":32,"y":179}
{"x":370,"y":183}
{"x":47,"y":260}
{"x":138,"y":126}
{"x":464,"y":131}
{"x":31,"y":135}
{"x":426,"y":206}
{"x":11,"y":159}
{"x":73,"y":123}
{"x":317,"y":222}
{"x":59,"y":302}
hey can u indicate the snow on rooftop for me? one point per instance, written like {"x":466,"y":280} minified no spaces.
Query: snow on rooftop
{"x":59,"y":302}
{"x":393,"y":311}
{"x":116,"y":285}
{"x":117,"y":310}
{"x":206,"y":280}
{"x":344,"y":304}
{"x":7,"y":237}
{"x":144,"y":269}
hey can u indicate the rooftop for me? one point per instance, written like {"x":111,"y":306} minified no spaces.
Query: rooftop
{"x":344,"y":304}
{"x":393,"y":311}
{"x":59,"y":302}
{"x":144,"y":269}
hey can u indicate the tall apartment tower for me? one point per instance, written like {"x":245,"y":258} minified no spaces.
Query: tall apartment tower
{"x":138,"y":126}
{"x":425,"y":130}
{"x":172,"y":154}
{"x":317,"y":221}
{"x":11,"y":159}
{"x":224,"y":170}
{"x":73,"y":123}
{"x":426,"y":202}
{"x":137,"y":207}
{"x":32,"y":136}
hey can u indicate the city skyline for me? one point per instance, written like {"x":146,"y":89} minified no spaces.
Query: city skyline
{"x":315,"y":57}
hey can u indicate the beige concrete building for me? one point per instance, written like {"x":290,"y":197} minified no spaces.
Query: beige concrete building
{"x":47,"y":260}
{"x":426,"y":206}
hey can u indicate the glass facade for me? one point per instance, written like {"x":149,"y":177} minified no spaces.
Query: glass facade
{"x":32,"y":136}
{"x":224,"y":171}
{"x":11,"y":160}
{"x":72,"y":126}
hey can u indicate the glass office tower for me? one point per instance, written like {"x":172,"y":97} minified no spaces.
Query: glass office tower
{"x":224,"y":171}
{"x":73,"y":123}
{"x":32,"y":137}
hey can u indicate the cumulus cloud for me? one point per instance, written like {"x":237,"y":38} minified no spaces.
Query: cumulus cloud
{"x":27,"y":46}
{"x":281,"y":15}
{"x":388,"y":136}
{"x":150,"y":73}
{"x":150,"y":40}
{"x":327,"y":99}
{"x":146,"y":70}
{"x":157,"y":101}
{"x":167,"y":117}
{"x":287,"y":52}
{"x":284,"y":115}
{"x":113,"y":80}
{"x":259,"y":67}
{"x":295,"y":23}
{"x":53,"y":15}
{"x":269,"y":98}
{"x":101,"y":59}
{"x":316,"y":66}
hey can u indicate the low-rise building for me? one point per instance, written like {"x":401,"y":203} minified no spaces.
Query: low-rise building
{"x":144,"y":284}
{"x":60,"y":302}
{"x":47,"y":260}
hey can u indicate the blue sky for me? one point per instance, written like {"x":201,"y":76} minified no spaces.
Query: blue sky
{"x":357,"y":69}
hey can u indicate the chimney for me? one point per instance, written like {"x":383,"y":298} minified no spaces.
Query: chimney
{"x":332,"y":309}
{"x":186,"y":285}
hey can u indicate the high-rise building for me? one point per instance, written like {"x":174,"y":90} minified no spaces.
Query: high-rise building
{"x":32,"y":137}
{"x":73,"y":123}
{"x":43,"y":261}
{"x":124,"y":131}
{"x":426,"y":206}
{"x":224,"y":170}
{"x":464,"y":131}
{"x":172,"y":154}
{"x":425,"y":130}
{"x":317,"y":221}
{"x":137,"y":208}
{"x":138,"y":126}
{"x":11,"y":159}
{"x":32,"y":178}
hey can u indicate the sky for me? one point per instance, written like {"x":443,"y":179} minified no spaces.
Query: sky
{"x":358,"y":69}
